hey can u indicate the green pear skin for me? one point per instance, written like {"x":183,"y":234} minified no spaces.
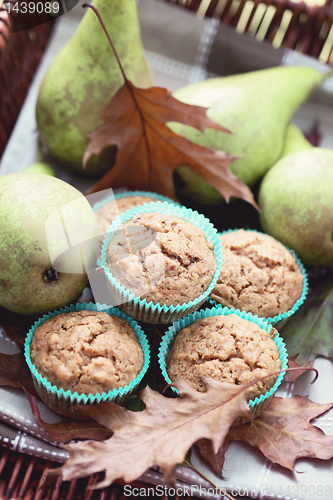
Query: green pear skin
{"x":256,"y":107}
{"x":26,"y":201}
{"x":294,"y":141}
{"x":296,"y":203}
{"x":83,"y":78}
{"x":41,"y":168}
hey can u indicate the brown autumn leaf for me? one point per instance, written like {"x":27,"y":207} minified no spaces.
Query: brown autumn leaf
{"x":216,"y":460}
{"x":16,"y":325}
{"x":148,"y":151}
{"x":159,"y":435}
{"x":282,"y":432}
{"x":68,"y":429}
{"x":297,"y":371}
{"x":14,"y":371}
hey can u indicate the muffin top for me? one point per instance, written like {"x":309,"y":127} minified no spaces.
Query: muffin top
{"x":86,"y":351}
{"x":110,"y":211}
{"x":258,"y":275}
{"x":226,"y":348}
{"x":162,"y":258}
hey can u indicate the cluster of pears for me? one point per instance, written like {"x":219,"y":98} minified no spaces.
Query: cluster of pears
{"x":256,"y":107}
{"x":295,"y":196}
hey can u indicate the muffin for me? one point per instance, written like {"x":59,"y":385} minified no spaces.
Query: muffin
{"x":258,"y":275}
{"x":169,"y":260}
{"x":109,"y":211}
{"x":161,"y":261}
{"x":227,"y":348}
{"x":87,"y":352}
{"x":82,"y":355}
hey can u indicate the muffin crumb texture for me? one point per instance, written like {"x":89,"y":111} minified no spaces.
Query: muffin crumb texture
{"x":111,"y":210}
{"x":258,"y":275}
{"x":226,"y":348}
{"x":162,"y":258}
{"x":88,"y":352}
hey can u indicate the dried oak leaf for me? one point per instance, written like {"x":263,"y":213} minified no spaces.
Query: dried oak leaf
{"x":282,"y":432}
{"x":149,"y":152}
{"x":68,"y":429}
{"x":308,"y":333}
{"x":159,"y":435}
{"x":14,"y":371}
{"x":297,"y":369}
{"x":16,"y":325}
{"x":314,"y":135}
{"x":216,"y":460}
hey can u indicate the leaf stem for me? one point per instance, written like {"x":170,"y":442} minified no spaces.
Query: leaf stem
{"x":223,"y":492}
{"x":108,"y":36}
{"x":128,"y":85}
{"x":293,"y":369}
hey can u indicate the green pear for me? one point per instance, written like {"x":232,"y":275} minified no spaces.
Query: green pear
{"x":256,"y":107}
{"x":83,"y":78}
{"x":47,"y":229}
{"x":41,"y":168}
{"x":294,"y":141}
{"x":296,"y":203}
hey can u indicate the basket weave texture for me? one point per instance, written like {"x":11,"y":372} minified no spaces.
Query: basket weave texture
{"x":19,"y":56}
{"x":304,"y":27}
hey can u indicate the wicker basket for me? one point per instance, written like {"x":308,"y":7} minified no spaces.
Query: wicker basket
{"x":19,"y":56}
{"x":295,"y":25}
{"x":307,"y":29}
{"x":23,"y":478}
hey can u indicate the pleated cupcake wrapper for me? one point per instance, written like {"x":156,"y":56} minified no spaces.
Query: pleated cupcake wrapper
{"x":139,"y":308}
{"x":62,"y":401}
{"x":125,"y":194}
{"x":279,"y":317}
{"x":259,"y":403}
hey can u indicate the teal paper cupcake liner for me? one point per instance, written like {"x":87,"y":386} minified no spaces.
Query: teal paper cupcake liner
{"x":139,"y":308}
{"x":62,"y":401}
{"x":125,"y":194}
{"x":259,"y":403}
{"x":279,"y":317}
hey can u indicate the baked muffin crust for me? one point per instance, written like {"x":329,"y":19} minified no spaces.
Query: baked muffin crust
{"x":87,"y":351}
{"x":110,"y":211}
{"x":162,"y":258}
{"x":258,"y":275}
{"x":226,"y":348}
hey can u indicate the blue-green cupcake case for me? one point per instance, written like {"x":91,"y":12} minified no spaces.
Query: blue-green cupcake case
{"x":134,"y":305}
{"x":279,"y":317}
{"x":126,"y":194}
{"x":62,"y":401}
{"x":256,"y":405}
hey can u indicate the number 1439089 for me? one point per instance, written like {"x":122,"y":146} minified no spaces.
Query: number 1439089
{"x":315,"y":491}
{"x":32,"y":7}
